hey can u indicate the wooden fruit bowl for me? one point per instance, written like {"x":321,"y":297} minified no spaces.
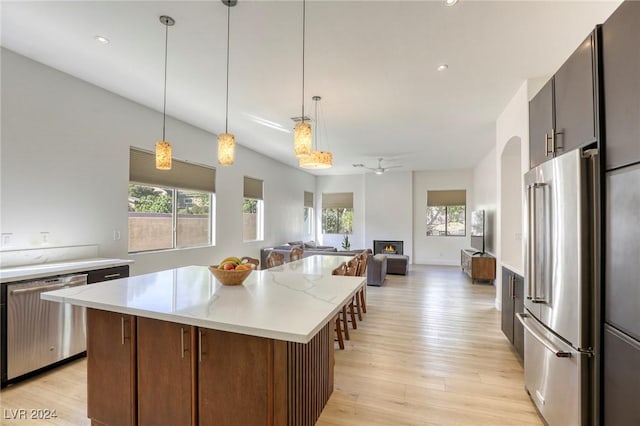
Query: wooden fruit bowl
{"x":232,"y":277}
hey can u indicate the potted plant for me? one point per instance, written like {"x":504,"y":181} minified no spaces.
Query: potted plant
{"x":346,"y":244}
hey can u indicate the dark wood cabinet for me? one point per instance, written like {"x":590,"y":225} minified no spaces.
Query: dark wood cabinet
{"x":622,"y":250}
{"x":621,"y":352}
{"x":540,"y":125}
{"x":513,"y":303}
{"x":621,"y":379}
{"x":222,"y":391}
{"x":111,"y":347}
{"x":480,"y":267}
{"x":166,"y":373}
{"x":107,"y":274}
{"x":621,"y":76}
{"x":575,"y":88}
{"x":563,"y":115}
{"x":144,"y":371}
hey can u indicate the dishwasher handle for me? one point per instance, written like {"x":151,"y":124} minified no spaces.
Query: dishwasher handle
{"x":52,"y":284}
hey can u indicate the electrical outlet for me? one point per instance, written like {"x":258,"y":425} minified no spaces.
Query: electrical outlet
{"x":6,"y":239}
{"x":45,"y":237}
{"x":116,"y":235}
{"x":518,"y":236}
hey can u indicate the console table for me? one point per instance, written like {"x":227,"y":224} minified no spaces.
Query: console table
{"x":480,"y":267}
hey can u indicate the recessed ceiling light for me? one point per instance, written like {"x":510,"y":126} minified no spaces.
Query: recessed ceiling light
{"x":102,"y":39}
{"x":450,"y":2}
{"x":442,"y":67}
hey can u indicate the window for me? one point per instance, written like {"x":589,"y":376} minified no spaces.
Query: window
{"x":162,"y":214}
{"x":446,"y":212}
{"x":308,"y":213}
{"x":337,"y":213}
{"x":252,"y":210}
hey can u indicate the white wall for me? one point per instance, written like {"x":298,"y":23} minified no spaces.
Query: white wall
{"x":438,"y":250}
{"x":485,"y":196}
{"x":343,"y":183}
{"x":65,"y":170}
{"x":389,"y":216}
{"x":512,"y":124}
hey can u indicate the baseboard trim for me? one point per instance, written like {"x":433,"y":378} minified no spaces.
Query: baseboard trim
{"x":438,"y":262}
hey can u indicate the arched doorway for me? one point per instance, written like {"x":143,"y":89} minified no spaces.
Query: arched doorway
{"x":511,"y":204}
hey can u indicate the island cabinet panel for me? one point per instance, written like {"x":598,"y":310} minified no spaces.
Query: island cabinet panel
{"x":145,"y":371}
{"x":310,"y":378}
{"x":234,"y":374}
{"x":252,"y":380}
{"x":166,"y":383}
{"x":111,"y":368}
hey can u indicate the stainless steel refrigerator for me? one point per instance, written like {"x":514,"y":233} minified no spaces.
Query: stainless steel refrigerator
{"x":562,"y":287}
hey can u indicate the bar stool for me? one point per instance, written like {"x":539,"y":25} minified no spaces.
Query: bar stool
{"x":251,"y":260}
{"x":274,"y":259}
{"x":295,"y":253}
{"x":362,"y":294}
{"x":340,"y":270}
{"x":353,"y":267}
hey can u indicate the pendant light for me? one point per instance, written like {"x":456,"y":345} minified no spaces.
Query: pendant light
{"x":226,"y":140}
{"x":163,"y":148}
{"x":302,"y":132}
{"x":317,"y":160}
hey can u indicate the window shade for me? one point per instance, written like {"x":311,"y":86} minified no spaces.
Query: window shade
{"x":183,"y":175}
{"x":252,"y":188}
{"x":340,"y":200}
{"x":308,"y":199}
{"x":447,"y":198}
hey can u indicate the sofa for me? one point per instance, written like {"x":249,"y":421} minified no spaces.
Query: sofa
{"x":309,"y":250}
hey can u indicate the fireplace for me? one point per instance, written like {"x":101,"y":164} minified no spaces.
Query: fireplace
{"x":387,"y":247}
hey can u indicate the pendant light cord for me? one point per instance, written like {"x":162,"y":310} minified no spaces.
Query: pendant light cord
{"x":303,"y":32}
{"x":164,"y":105}
{"x":226,"y":112}
{"x":315,"y":134}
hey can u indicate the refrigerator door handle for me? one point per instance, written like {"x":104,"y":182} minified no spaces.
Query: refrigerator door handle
{"x":522,"y":317}
{"x":534,"y":294}
{"x":531,"y":276}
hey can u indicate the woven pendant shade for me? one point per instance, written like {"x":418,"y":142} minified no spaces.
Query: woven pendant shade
{"x":317,"y":160}
{"x":302,"y":140}
{"x":163,"y":155}
{"x":226,"y":149}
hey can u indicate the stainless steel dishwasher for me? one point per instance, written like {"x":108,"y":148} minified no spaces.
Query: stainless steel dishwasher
{"x":40,"y":333}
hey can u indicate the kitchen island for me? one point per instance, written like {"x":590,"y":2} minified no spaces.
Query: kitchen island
{"x":177,"y":347}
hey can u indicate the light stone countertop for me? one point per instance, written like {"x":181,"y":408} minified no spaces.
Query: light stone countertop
{"x":290,"y":303}
{"x":27,"y":272}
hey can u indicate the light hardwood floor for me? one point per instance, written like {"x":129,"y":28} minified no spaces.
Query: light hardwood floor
{"x":429,"y":352}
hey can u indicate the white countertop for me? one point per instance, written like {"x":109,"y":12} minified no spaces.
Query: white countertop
{"x":289,"y":303}
{"x":27,"y":272}
{"x":513,"y":269}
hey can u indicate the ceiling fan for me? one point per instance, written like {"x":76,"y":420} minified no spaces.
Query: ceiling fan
{"x":377,"y":170}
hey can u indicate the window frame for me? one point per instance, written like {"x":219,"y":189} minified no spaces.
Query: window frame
{"x":338,"y":222}
{"x":259,"y":219}
{"x":308,"y":224}
{"x":174,"y":219}
{"x":446,"y":221}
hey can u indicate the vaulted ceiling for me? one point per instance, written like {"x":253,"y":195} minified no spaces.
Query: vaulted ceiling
{"x":374,"y":63}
